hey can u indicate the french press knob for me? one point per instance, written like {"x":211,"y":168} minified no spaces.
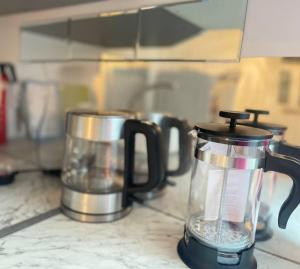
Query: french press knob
{"x":234,"y":116}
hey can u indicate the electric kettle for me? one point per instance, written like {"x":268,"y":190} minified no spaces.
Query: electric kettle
{"x":94,"y":188}
{"x":227,"y":174}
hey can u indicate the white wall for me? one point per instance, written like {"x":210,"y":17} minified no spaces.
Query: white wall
{"x":272,"y":29}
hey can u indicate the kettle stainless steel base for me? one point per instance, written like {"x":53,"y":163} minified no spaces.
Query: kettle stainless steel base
{"x":198,"y":256}
{"x":89,"y":207}
{"x":93,"y":218}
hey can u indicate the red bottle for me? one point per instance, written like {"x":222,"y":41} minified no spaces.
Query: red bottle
{"x":7,"y":75}
{"x":3,"y":83}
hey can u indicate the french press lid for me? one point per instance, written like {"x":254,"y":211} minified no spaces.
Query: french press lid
{"x":232,"y":133}
{"x":98,"y":127}
{"x":276,"y":129}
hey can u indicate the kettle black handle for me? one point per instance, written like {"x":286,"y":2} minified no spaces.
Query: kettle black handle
{"x":155,"y":164}
{"x":184,"y":144}
{"x":291,"y":167}
{"x":287,"y":149}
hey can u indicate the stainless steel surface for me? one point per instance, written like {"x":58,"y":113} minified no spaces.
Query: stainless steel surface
{"x":232,"y":141}
{"x":95,"y":218}
{"x":229,"y":162}
{"x":155,"y":117}
{"x":98,"y":127}
{"x":87,"y":203}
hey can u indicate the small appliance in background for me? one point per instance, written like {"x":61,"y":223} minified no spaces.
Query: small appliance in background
{"x":225,"y":193}
{"x":94,"y":188}
{"x":7,"y":76}
{"x":277,"y":145}
{"x":41,"y":110}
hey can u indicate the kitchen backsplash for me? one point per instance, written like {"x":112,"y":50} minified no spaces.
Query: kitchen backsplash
{"x":192,"y":91}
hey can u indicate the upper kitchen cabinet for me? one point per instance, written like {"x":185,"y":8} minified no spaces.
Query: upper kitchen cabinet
{"x":45,"y":41}
{"x":208,"y":31}
{"x":185,"y":31}
{"x":108,"y":36}
{"x":19,"y":6}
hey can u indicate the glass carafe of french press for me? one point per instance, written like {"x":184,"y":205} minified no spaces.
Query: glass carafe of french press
{"x":277,"y":145}
{"x":94,"y":189}
{"x":225,"y":194}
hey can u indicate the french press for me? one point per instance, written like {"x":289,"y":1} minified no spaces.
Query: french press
{"x":225,"y":193}
{"x":94,"y":188}
{"x":278,"y":145}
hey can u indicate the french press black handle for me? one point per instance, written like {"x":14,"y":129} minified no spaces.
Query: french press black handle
{"x":257,"y":112}
{"x":291,"y":167}
{"x":155,"y":163}
{"x":184,"y":144}
{"x":285,"y":148}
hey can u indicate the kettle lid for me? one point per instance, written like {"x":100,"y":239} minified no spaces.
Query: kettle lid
{"x":95,"y":126}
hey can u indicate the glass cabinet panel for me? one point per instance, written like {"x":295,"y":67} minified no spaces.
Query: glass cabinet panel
{"x":108,"y":36}
{"x":201,"y":31}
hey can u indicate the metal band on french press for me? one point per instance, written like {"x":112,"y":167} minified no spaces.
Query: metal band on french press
{"x":229,"y":162}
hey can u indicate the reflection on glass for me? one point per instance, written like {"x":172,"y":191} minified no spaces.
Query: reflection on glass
{"x":45,"y":41}
{"x":108,"y":36}
{"x":208,"y":30}
{"x":195,"y":31}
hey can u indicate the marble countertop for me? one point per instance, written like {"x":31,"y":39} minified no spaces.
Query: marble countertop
{"x":30,"y":195}
{"x":147,"y":238}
